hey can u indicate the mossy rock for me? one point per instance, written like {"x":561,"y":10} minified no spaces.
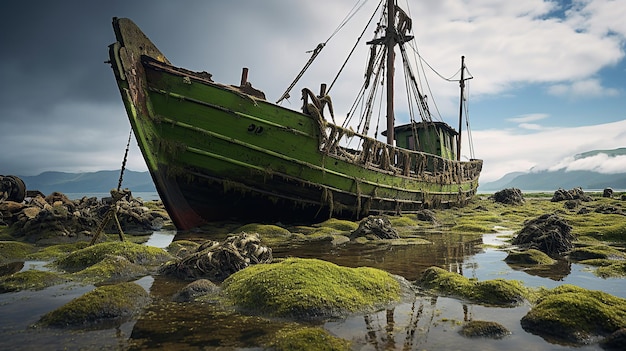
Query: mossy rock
{"x":310,"y":289}
{"x":596,"y":252}
{"x":12,"y":250}
{"x":30,"y":280}
{"x":575,"y":314}
{"x":472,"y":228}
{"x":201,"y":289}
{"x":531,"y":256}
{"x":182,"y":248}
{"x":484,"y":329}
{"x":498,"y":292}
{"x":57,"y":251}
{"x":607,"y":268}
{"x":112,"y":268}
{"x":135,"y":253}
{"x":264,"y":230}
{"x":339,"y":225}
{"x":309,"y":339}
{"x":106,"y":305}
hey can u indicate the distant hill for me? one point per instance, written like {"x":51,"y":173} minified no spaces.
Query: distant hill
{"x":92,"y":182}
{"x":557,"y":179}
{"x":552,"y":180}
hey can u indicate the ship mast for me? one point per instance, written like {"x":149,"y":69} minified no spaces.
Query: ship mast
{"x":462,"y":84}
{"x":391,"y":43}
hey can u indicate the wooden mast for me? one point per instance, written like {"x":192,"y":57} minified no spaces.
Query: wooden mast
{"x":391,"y":43}
{"x":462,"y":84}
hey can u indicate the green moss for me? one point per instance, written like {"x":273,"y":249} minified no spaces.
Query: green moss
{"x":339,"y":225}
{"x":57,"y":251}
{"x":104,"y":304}
{"x":135,"y":253}
{"x":530,"y":256}
{"x":309,"y":339}
{"x":617,"y":269}
{"x":11,"y":250}
{"x":490,"y":292}
{"x":472,"y":228}
{"x":485,"y":329}
{"x":575,"y":314}
{"x":269,"y":234}
{"x":596,"y":251}
{"x":182,"y":248}
{"x":264,"y":230}
{"x":29,"y":280}
{"x":112,"y":268}
{"x":403,"y":221}
{"x":310,"y":288}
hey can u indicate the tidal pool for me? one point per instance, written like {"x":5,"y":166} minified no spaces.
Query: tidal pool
{"x":422,"y":322}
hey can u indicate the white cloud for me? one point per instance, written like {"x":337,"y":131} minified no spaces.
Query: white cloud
{"x":585,"y":88}
{"x":528,"y":118}
{"x":601,"y":163}
{"x":505,"y":151}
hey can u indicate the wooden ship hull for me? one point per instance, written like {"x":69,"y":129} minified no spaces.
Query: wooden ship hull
{"x":217,"y":151}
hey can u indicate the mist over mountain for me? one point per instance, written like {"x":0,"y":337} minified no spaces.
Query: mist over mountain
{"x":592,"y":170}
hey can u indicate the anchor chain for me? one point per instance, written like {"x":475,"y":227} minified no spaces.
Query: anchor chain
{"x":117,"y":195}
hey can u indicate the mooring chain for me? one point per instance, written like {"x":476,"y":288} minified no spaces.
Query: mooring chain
{"x":117,"y":195}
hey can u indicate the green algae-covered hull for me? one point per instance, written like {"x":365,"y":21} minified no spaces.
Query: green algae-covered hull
{"x":217,"y":151}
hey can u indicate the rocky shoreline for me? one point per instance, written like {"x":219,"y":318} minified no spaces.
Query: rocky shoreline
{"x":570,"y":226}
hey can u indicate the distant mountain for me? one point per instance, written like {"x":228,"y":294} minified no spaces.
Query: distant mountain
{"x":552,"y":180}
{"x":557,"y":179}
{"x":92,"y":182}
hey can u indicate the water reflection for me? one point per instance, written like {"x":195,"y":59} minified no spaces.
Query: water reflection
{"x":409,"y":261}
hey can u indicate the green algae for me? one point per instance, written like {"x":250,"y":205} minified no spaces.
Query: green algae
{"x":575,"y":314}
{"x":399,"y":222}
{"x":310,"y":289}
{"x":309,"y":339}
{"x":12,"y":250}
{"x":30,"y":280}
{"x":531,"y":256}
{"x":498,"y":292}
{"x":108,"y":303}
{"x":135,"y":253}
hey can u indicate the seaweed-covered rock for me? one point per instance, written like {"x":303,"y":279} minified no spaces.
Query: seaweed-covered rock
{"x":574,"y":314}
{"x":607,"y":192}
{"x":426,"y":215}
{"x":56,"y":218}
{"x":484,"y":329}
{"x":615,"y":341}
{"x":573,"y":194}
{"x":548,"y":233}
{"x":196,"y":289}
{"x":216,"y":261}
{"x":310,"y":289}
{"x":530,"y":256}
{"x":489,"y":292}
{"x":609,"y":209}
{"x":106,"y":305}
{"x":510,"y":196}
{"x":378,"y":226}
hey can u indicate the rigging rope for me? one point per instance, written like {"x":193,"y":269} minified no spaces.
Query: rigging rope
{"x":319,"y":48}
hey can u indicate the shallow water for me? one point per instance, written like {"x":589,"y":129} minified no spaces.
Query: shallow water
{"x":420,"y":322}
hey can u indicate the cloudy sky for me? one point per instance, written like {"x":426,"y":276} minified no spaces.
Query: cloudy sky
{"x":549,"y":76}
